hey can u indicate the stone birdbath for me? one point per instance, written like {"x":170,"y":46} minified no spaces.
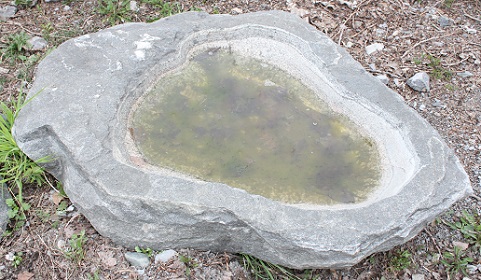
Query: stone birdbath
{"x":253,"y":133}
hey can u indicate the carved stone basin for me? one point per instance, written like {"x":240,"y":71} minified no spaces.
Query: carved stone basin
{"x":252,"y":133}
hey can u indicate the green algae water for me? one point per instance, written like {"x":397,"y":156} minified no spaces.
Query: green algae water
{"x":235,"y":120}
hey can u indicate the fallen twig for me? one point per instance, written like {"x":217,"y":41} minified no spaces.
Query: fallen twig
{"x":23,"y":27}
{"x":474,"y":44}
{"x":417,"y":44}
{"x":350,"y":17}
{"x":433,"y":240}
{"x":422,"y":42}
{"x":473,"y":18}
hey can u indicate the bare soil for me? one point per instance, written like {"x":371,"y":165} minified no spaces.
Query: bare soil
{"x":414,"y":41}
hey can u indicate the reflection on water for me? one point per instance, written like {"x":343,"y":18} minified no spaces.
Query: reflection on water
{"x":230,"y":119}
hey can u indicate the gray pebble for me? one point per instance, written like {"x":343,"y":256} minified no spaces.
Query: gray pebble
{"x":4,"y":194}
{"x":37,"y":43}
{"x":437,"y":103}
{"x":383,"y":78}
{"x":465,"y":74}
{"x":419,"y":82}
{"x":417,"y":277}
{"x":137,"y":259}
{"x":444,"y":21}
{"x":134,"y":6}
{"x":380,"y":32}
{"x":396,"y":82}
{"x":376,"y":47}
{"x":165,"y":256}
{"x":7,"y":12}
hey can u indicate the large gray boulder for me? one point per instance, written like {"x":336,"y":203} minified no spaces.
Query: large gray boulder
{"x":86,"y":88}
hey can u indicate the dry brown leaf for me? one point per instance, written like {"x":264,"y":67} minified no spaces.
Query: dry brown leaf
{"x":24,"y":275}
{"x":107,"y":258}
{"x":461,"y":245}
{"x":69,"y":231}
{"x":56,"y":197}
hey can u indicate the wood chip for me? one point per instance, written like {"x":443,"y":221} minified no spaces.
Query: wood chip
{"x":3,"y":70}
{"x":24,"y":275}
{"x":108,"y":258}
{"x":57,"y":198}
{"x":461,"y":245}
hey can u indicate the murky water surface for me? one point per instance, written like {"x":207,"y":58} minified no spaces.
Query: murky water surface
{"x":230,"y":119}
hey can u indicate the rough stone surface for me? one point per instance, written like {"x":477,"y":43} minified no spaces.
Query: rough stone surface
{"x":4,"y":194}
{"x":137,"y":259}
{"x":165,"y":256}
{"x":465,"y":74}
{"x":134,"y":6}
{"x":444,"y":21}
{"x":91,"y":82}
{"x":419,"y":82}
{"x":383,"y":78}
{"x":7,"y":12}
{"x":376,"y":47}
{"x":37,"y":43}
{"x":417,"y":277}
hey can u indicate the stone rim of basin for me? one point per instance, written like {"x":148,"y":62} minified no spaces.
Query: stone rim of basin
{"x":91,"y":81}
{"x":398,"y":153}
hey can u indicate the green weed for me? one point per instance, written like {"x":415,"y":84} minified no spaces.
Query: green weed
{"x":15,"y":258}
{"x":3,"y":80}
{"x":61,"y":190}
{"x":76,"y":251}
{"x":470,"y":226}
{"x":55,"y":224}
{"x":400,"y":260}
{"x":417,"y":61}
{"x":23,"y":3}
{"x":164,"y":9}
{"x":189,"y":264}
{"x":448,"y":3}
{"x":67,"y":2}
{"x":195,"y":9}
{"x":42,"y":215}
{"x":47,"y":30}
{"x":441,"y":74}
{"x":438,"y":72}
{"x":16,"y":212}
{"x":15,"y":47}
{"x":117,"y":11}
{"x":456,"y":262}
{"x":16,"y":168}
{"x":62,"y":208}
{"x":149,"y":252}
{"x":94,"y":276}
{"x":264,"y":270}
{"x":450,"y":87}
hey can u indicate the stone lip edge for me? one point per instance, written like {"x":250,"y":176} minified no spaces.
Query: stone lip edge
{"x":99,"y":197}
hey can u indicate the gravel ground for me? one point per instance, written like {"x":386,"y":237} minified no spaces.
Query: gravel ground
{"x":442,"y":38}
